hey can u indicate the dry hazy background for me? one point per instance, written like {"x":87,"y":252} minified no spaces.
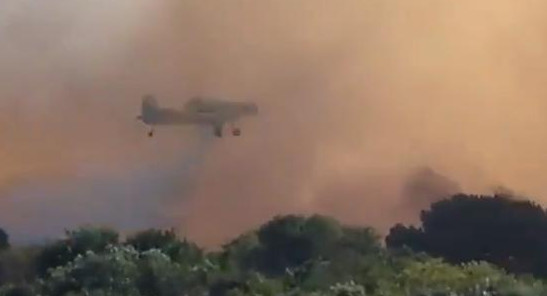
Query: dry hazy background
{"x":370,"y":109}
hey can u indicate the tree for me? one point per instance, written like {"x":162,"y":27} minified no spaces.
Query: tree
{"x":115,"y":270}
{"x":308,"y":252}
{"x":77,"y":242}
{"x":509,"y":233}
{"x":290,"y":241}
{"x":161,"y":276}
{"x":168,"y":242}
{"x":16,"y":290}
{"x":401,"y":236}
{"x":17,"y":265}
{"x":241,"y":254}
{"x":152,"y":239}
{"x":4,"y":240}
{"x":347,"y":289}
{"x":317,"y":256}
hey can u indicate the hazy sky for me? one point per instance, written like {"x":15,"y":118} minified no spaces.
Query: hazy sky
{"x":356,"y":97}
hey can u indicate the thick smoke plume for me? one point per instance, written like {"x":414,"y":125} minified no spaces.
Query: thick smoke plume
{"x":425,"y":186}
{"x":353,"y":96}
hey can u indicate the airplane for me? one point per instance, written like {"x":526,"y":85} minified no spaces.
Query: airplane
{"x":197,"y":111}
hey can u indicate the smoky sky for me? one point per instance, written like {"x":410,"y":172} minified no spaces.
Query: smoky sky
{"x":425,"y":186}
{"x":353,"y":97}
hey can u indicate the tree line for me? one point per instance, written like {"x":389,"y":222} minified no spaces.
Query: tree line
{"x":465,"y":245}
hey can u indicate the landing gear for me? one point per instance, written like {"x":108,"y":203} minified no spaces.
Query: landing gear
{"x":218,"y":131}
{"x":236,"y":132}
{"x":151,"y":132}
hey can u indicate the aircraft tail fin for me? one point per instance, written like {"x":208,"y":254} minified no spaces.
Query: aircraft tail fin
{"x":149,"y":107}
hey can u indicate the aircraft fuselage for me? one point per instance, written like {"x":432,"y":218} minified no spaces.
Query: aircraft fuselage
{"x":197,"y":112}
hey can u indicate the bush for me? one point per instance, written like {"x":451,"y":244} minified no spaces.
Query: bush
{"x":77,"y":242}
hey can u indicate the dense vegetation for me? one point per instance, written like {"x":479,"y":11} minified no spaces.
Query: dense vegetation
{"x":466,"y":245}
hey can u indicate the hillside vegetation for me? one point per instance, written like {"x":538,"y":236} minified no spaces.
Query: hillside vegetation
{"x":465,"y":245}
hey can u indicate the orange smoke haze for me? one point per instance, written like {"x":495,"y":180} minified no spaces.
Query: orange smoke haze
{"x":355,"y":96}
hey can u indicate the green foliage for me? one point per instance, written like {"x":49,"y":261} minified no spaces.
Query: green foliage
{"x":161,"y":276}
{"x":152,"y":239}
{"x":401,"y":236}
{"x":168,"y":242}
{"x":4,"y":240}
{"x":347,"y":289}
{"x":290,"y":241}
{"x":288,"y":256}
{"x":241,"y":254}
{"x":122,"y":270}
{"x":17,"y":265}
{"x":77,"y":242}
{"x":509,"y":233}
{"x":359,"y":239}
{"x":16,"y":290}
{"x":91,"y":239}
{"x":435,"y":277}
{"x":115,"y":271}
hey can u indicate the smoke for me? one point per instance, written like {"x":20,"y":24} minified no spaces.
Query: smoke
{"x":72,"y":150}
{"x":425,"y":186}
{"x":353,"y":97}
{"x":144,"y":196}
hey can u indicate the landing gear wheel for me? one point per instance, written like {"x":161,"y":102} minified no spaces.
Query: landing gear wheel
{"x":218,"y":132}
{"x":236,"y":132}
